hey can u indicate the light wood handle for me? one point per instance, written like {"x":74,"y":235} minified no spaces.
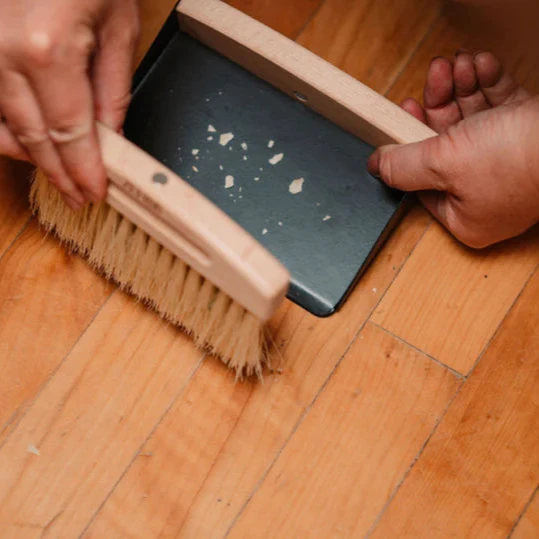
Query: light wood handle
{"x":299,"y":73}
{"x":181,"y":219}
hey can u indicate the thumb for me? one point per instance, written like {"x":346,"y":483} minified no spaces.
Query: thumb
{"x":411,"y":167}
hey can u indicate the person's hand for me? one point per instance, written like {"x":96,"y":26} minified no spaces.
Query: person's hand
{"x":63,"y":65}
{"x":480,"y":176}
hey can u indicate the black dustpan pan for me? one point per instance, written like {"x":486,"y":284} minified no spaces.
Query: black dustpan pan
{"x":293,"y":177}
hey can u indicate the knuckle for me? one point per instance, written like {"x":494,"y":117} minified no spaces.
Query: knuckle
{"x":47,"y":47}
{"x":65,"y":132}
{"x":30,"y":136}
{"x":83,"y":42}
{"x":41,"y":48}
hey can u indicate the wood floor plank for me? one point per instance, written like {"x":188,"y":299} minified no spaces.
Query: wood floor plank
{"x":450,"y":33}
{"x":235,"y":432}
{"x":47,"y":299}
{"x":480,"y":468}
{"x":14,"y":208}
{"x":355,"y":445}
{"x":371,"y":40}
{"x":90,"y":420}
{"x":448,"y":301}
{"x":528,"y":526}
{"x":288,"y":18}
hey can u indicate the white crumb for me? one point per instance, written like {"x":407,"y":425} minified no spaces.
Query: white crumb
{"x":257,"y":179}
{"x":318,"y":203}
{"x":221,"y":167}
{"x":326,"y":218}
{"x":264,"y":232}
{"x":207,"y":100}
{"x":244,"y":146}
{"x":195,"y":169}
{"x":240,"y":189}
{"x":245,"y":158}
{"x":210,"y":138}
{"x":220,"y":93}
{"x":296,"y":186}
{"x":225,"y":138}
{"x":179,"y":148}
{"x":261,"y":169}
{"x":271,"y":144}
{"x":280,"y":223}
{"x":241,"y":196}
{"x":230,"y":148}
{"x":276,"y":158}
{"x":33,"y":449}
{"x":195,"y":151}
{"x":229,"y":182}
{"x":374,"y":290}
{"x":211,"y":129}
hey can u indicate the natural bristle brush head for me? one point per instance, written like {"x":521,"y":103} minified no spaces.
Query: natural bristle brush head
{"x":125,"y":254}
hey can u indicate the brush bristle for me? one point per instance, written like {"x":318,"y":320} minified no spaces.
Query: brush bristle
{"x":125,"y":254}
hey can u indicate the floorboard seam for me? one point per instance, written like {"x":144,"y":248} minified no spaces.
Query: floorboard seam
{"x":407,"y":61}
{"x":299,"y":33}
{"x":521,"y":516}
{"x":145,"y":441}
{"x":32,"y":400}
{"x":16,"y":238}
{"x":415,"y":460}
{"x":502,"y":321}
{"x":453,"y":371}
{"x":320,"y":391}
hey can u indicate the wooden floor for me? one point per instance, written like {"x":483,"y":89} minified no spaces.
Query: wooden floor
{"x":414,"y":412}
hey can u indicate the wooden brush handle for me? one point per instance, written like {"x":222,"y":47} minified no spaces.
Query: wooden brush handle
{"x":181,"y":219}
{"x":299,"y":73}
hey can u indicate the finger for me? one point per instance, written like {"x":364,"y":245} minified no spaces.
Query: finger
{"x":10,"y":146}
{"x":440,"y":106}
{"x":62,"y":86}
{"x":469,"y":96}
{"x":497,"y":85}
{"x":410,"y":167}
{"x":411,"y":106}
{"x":113,"y":65}
{"x":25,"y":122}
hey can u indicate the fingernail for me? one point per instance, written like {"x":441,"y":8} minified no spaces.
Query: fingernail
{"x":374,"y":164}
{"x":90,"y":197}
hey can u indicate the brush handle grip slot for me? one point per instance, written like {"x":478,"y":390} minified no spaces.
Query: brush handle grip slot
{"x":191,"y":227}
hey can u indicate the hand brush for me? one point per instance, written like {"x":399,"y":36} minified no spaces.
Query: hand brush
{"x":165,"y":243}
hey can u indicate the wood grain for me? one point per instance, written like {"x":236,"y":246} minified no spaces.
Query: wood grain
{"x":448,"y":301}
{"x":289,"y":18}
{"x":369,"y":425}
{"x":528,"y":526}
{"x":90,"y":420}
{"x":152,"y":17}
{"x":449,"y":33}
{"x":14,"y":210}
{"x":227,"y":451}
{"x":47,"y":299}
{"x":370,"y":40}
{"x":480,"y":468}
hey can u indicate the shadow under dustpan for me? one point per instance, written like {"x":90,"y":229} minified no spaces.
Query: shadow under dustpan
{"x":294,"y":180}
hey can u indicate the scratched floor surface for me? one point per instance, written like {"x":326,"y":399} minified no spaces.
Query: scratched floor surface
{"x":411,"y":413}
